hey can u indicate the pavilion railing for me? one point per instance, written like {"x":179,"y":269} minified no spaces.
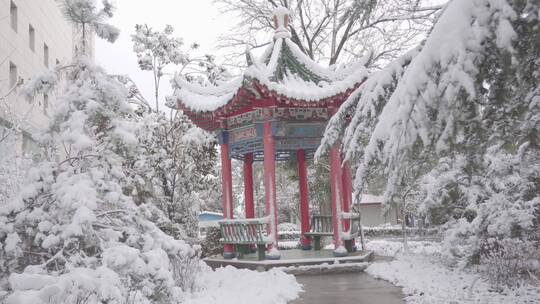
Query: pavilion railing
{"x":354,"y":225}
{"x":321,"y":225}
{"x":246,"y":232}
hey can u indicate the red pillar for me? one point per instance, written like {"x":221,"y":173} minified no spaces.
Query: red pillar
{"x":347,"y":194}
{"x":304,"y":198}
{"x":248,"y":185}
{"x":227,"y":199}
{"x":336,"y":187}
{"x":270,"y":188}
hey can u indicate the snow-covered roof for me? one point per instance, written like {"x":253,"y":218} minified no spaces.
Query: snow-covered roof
{"x":371,"y":199}
{"x":283,"y":69}
{"x":205,"y":99}
{"x":211,"y":213}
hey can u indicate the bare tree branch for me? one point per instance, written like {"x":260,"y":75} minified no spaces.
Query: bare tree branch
{"x":324,"y":29}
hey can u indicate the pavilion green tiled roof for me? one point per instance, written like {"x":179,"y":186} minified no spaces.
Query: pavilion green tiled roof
{"x":283,"y":74}
{"x":289,"y":65}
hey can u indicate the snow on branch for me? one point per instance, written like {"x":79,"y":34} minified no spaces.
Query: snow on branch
{"x":43,"y":83}
{"x":364,"y":106}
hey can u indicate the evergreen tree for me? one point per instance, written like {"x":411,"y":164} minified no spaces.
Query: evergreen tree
{"x":176,"y":165}
{"x":462,"y":124}
{"x":174,"y":169}
{"x":75,"y":234}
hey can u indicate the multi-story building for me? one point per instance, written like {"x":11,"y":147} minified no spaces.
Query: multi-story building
{"x":34,"y":36}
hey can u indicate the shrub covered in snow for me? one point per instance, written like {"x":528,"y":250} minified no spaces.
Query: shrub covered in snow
{"x":392,"y":248}
{"x":75,"y":233}
{"x":389,"y":230}
{"x":211,"y":245}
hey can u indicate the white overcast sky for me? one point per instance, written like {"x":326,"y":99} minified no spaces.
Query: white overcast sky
{"x":194,"y":20}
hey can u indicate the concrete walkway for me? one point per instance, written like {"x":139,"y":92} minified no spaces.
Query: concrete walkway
{"x":348,"y":288}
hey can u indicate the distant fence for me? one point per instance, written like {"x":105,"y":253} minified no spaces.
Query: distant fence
{"x":395,"y":230}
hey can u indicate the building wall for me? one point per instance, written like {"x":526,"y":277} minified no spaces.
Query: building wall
{"x":50,"y":29}
{"x":372,"y":215}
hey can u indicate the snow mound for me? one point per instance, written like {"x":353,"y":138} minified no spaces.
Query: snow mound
{"x":242,"y":286}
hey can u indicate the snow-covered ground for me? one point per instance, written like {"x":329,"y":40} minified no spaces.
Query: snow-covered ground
{"x":426,"y":280}
{"x":229,"y":285}
{"x":224,"y":285}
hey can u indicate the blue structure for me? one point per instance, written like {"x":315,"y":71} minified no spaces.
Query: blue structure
{"x":207,"y":216}
{"x":208,"y":219}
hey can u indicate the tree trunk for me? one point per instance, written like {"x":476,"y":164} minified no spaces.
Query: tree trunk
{"x":404,"y":230}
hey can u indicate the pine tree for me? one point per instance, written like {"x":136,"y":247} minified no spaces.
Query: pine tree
{"x":176,"y":163}
{"x":173,"y":169}
{"x":462,"y":124}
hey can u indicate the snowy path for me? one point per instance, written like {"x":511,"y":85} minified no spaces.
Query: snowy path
{"x":348,"y":288}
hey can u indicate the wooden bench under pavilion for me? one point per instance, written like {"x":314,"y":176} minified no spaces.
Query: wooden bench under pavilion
{"x":277,"y":110}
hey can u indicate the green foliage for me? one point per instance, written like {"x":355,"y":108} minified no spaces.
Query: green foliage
{"x":211,"y":244}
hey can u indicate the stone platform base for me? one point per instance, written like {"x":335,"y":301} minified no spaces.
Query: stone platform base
{"x":325,"y":269}
{"x":298,"y":258}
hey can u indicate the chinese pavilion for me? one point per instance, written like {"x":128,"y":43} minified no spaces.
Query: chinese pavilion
{"x":277,"y":110}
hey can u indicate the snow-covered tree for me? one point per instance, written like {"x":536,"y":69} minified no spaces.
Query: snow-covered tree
{"x":75,"y":234}
{"x":157,"y":50}
{"x":88,"y":19}
{"x":470,"y":100}
{"x":9,"y":128}
{"x":288,"y":197}
{"x":75,"y":230}
{"x":354,"y":124}
{"x":13,"y":167}
{"x":319,"y":187}
{"x":174,"y":169}
{"x":176,"y":163}
{"x":461,"y":122}
{"x":13,"y":164}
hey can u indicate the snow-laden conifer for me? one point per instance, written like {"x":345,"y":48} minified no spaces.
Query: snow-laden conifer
{"x":75,"y":234}
{"x":461,"y":125}
{"x":173,"y":169}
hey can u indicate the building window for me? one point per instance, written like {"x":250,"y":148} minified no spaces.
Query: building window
{"x":30,"y":147}
{"x":46,"y":55}
{"x":45,"y":103}
{"x":13,"y":16}
{"x":31,"y":38}
{"x":12,"y":75}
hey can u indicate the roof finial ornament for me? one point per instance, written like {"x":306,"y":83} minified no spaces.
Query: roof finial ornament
{"x":281,"y":22}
